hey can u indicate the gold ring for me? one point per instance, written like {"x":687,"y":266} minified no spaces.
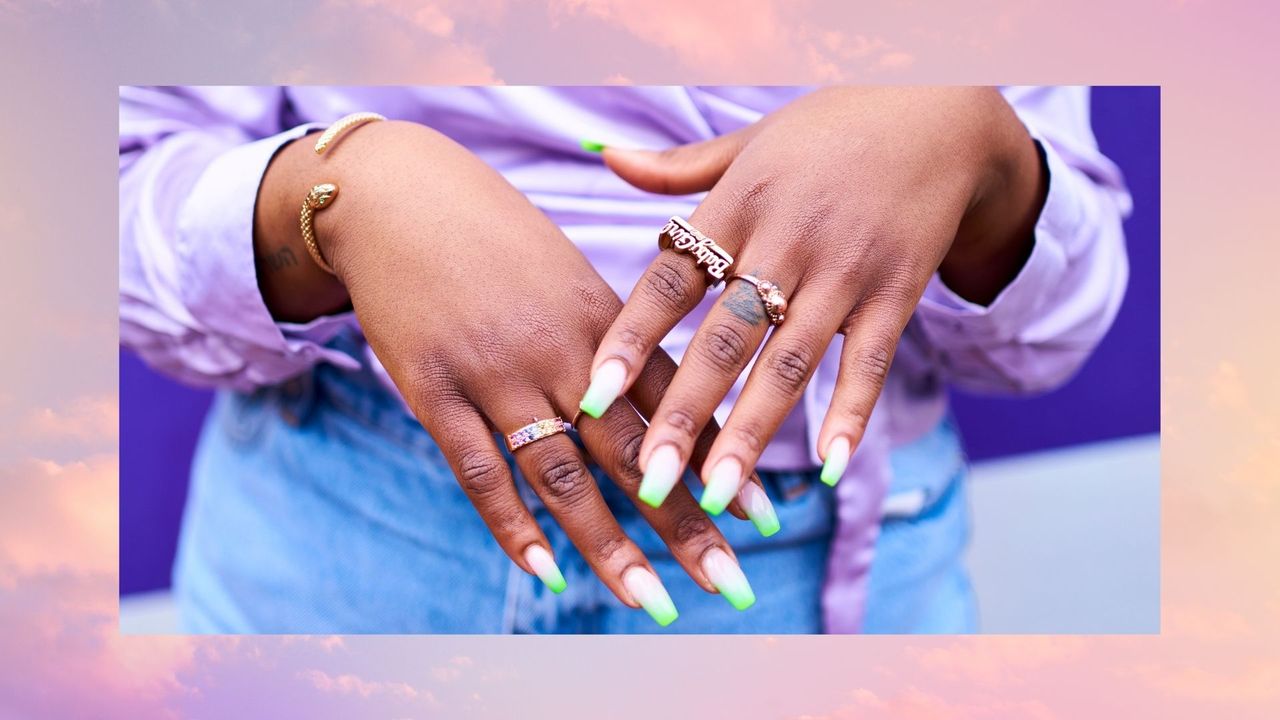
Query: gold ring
{"x":535,"y":431}
{"x":775,"y":303}
{"x":682,"y":237}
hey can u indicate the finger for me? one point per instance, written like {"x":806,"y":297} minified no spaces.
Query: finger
{"x":716,"y":356}
{"x":871,"y":338}
{"x":481,"y":470}
{"x":646,"y":394}
{"x":558,"y":474}
{"x":679,"y":170}
{"x":670,"y":288}
{"x":773,"y":388}
{"x":695,"y":542}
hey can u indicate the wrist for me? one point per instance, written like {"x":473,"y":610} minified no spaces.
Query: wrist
{"x":996,"y":234}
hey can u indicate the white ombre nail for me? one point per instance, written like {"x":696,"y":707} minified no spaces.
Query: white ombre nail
{"x":836,"y":461}
{"x":756,"y":502}
{"x":722,"y":485}
{"x":660,"y":475}
{"x":544,"y":566}
{"x":606,"y":386}
{"x":727,"y":576}
{"x":647,"y":589}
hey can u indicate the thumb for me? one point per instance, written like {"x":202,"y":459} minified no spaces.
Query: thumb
{"x":679,"y":170}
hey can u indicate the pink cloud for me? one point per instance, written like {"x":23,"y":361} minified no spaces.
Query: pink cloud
{"x":771,"y":42}
{"x":997,"y":660}
{"x":916,"y":704}
{"x":92,"y":419}
{"x":348,"y":684}
{"x":60,"y":515}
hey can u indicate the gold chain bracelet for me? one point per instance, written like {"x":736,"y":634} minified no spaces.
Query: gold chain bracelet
{"x":321,"y":196}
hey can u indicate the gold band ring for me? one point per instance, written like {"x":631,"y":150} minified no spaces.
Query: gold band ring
{"x":775,"y":303}
{"x":535,"y":431}
{"x":682,"y":237}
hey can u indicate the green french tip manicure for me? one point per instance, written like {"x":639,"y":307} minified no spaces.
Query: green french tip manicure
{"x":592,"y":146}
{"x":837,"y":460}
{"x":544,"y":566}
{"x":725,"y":574}
{"x":606,"y":386}
{"x":662,"y":474}
{"x":722,"y":485}
{"x":754,"y":500}
{"x":713,"y":506}
{"x":647,"y":590}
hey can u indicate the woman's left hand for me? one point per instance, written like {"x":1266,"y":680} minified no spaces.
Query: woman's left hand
{"x":848,"y":200}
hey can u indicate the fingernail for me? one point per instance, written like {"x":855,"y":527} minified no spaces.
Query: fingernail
{"x":592,"y":146}
{"x":660,"y":475}
{"x":725,"y":574}
{"x":722,"y":485}
{"x":756,"y":502}
{"x":606,"y":386}
{"x":647,"y":590}
{"x":837,"y":460}
{"x":544,"y":566}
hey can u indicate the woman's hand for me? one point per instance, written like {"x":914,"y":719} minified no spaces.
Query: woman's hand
{"x":486,"y":316}
{"x":849,"y":200}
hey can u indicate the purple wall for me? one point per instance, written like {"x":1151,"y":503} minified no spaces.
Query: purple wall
{"x":1116,"y":394}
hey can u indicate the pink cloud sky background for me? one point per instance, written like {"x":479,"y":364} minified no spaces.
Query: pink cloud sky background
{"x":62,"y":655}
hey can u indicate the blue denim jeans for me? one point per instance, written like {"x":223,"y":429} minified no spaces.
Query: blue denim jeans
{"x":320,"y":506}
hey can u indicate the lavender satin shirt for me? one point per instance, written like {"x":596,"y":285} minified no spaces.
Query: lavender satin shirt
{"x":191,"y":160}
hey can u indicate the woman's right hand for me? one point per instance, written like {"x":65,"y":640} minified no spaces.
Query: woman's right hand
{"x":486,"y":316}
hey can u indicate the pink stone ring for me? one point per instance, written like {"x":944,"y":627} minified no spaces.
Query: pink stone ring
{"x":775,"y":303}
{"x":535,"y":431}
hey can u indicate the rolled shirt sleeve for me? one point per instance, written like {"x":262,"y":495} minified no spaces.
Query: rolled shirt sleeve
{"x":190,"y":167}
{"x":1040,"y":329}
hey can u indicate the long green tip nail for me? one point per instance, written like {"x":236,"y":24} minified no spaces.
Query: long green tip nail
{"x":595,"y":410}
{"x":713,"y":505}
{"x":652,"y":496}
{"x":767,"y":527}
{"x":664,"y":618}
{"x":556,"y":586}
{"x":592,"y":146}
{"x":740,"y":600}
{"x":829,"y":478}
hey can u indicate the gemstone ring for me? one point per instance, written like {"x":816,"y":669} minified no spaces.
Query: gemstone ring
{"x":775,"y":303}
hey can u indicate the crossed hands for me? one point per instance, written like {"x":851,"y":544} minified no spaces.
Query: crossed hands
{"x":486,"y":316}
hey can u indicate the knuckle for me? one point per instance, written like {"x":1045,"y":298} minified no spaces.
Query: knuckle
{"x":690,"y":528}
{"x":750,"y":436}
{"x":683,"y":423}
{"x":670,"y":285}
{"x":724,"y":346}
{"x":634,"y":340}
{"x":480,"y":472}
{"x":509,"y":522}
{"x":564,"y":477}
{"x":629,"y":454}
{"x":749,"y":195}
{"x":429,"y":377}
{"x":607,"y":547}
{"x":597,"y":304}
{"x":790,"y":365}
{"x":872,"y":363}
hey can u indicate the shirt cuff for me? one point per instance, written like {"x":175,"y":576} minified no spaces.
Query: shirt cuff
{"x":220,"y":282}
{"x":948,"y":317}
